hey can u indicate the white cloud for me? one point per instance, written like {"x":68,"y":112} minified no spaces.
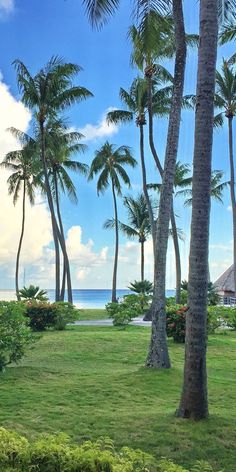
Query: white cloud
{"x":7,"y":6}
{"x":229,"y":208}
{"x":101,"y":130}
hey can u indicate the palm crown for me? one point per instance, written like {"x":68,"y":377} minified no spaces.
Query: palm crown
{"x":110,"y":162}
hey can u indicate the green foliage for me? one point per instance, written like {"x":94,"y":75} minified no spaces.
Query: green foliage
{"x":56,"y":454}
{"x":15,"y":335}
{"x":122,"y":313}
{"x":142,"y":286}
{"x":175,"y":322}
{"x":44,"y":315}
{"x":170,"y":301}
{"x":33,"y":293}
{"x":224,"y":315}
{"x":213,"y":297}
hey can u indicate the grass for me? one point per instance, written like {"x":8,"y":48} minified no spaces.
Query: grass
{"x":92,"y":314}
{"x":90,"y":382}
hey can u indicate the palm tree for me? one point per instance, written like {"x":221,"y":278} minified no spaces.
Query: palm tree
{"x":217,"y":188}
{"x":225,"y":99}
{"x":21,"y":164}
{"x":194,"y":403}
{"x":109,"y":163}
{"x":33,"y":293}
{"x":61,"y":144}
{"x":135,"y":102}
{"x":139,"y":223}
{"x":228,"y":33}
{"x":47,"y":93}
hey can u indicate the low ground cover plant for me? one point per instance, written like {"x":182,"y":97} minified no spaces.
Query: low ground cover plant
{"x":56,"y":454}
{"x":15,"y":334}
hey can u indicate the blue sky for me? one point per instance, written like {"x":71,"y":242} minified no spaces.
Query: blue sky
{"x":33,"y":31}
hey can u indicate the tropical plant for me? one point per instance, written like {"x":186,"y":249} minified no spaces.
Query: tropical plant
{"x":193,"y":403}
{"x":15,"y":335}
{"x":33,"y":292}
{"x":225,"y":100}
{"x":61,"y":144}
{"x":109,"y":163}
{"x":21,"y":164}
{"x":143,"y":286}
{"x":139,"y":223}
{"x":122,"y":313}
{"x":47,"y":93}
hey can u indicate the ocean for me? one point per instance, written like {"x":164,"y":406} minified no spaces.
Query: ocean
{"x":83,"y":298}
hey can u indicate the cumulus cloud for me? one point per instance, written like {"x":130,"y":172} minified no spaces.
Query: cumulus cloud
{"x":6,"y":6}
{"x":82,"y":256}
{"x":100,"y":130}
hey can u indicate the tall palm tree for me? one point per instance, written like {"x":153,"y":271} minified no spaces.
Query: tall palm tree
{"x":109,"y":163}
{"x":194,"y":402}
{"x":47,"y":93}
{"x":225,"y":99}
{"x":61,"y":144}
{"x":98,"y":10}
{"x":217,"y":188}
{"x":21,"y":164}
{"x":139,"y":223}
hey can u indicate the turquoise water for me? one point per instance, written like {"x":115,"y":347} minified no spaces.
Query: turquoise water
{"x":84,"y":298}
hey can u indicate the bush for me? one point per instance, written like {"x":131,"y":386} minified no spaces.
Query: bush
{"x":44,"y":315}
{"x":225,"y":315}
{"x":15,"y":334}
{"x":170,"y":301}
{"x":123,"y":312}
{"x":56,"y":454}
{"x":175,"y":322}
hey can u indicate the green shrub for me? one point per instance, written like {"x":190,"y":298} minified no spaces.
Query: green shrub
{"x":226,"y":315}
{"x":15,"y":334}
{"x":123,"y":312}
{"x":44,"y":315}
{"x":170,"y":301}
{"x":65,"y":313}
{"x":13,"y":449}
{"x":175,"y":322}
{"x":56,"y":454}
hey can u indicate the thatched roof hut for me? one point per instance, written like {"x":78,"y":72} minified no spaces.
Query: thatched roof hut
{"x":225,"y":283}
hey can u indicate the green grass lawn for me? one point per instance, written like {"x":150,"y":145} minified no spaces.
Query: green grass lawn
{"x":92,"y":314}
{"x":90,"y":382}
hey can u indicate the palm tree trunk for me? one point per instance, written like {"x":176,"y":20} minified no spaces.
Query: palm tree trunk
{"x":177,"y":257}
{"x":194,"y":403}
{"x":142,"y":260}
{"x":160,"y":169}
{"x":62,"y":293}
{"x":114,"y":279}
{"x":144,"y":179}
{"x":55,"y":228}
{"x":158,"y":356}
{"x":20,"y":244}
{"x":232,"y":192}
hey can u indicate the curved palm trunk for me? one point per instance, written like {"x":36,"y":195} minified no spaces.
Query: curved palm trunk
{"x":142,"y":260}
{"x":114,"y":279}
{"x":55,"y":228}
{"x":232,"y":192}
{"x":62,"y":293}
{"x":20,"y":244}
{"x":177,"y":257}
{"x":194,"y":403}
{"x":158,"y":355}
{"x":173,"y":222}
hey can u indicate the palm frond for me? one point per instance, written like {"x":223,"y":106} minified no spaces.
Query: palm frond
{"x":99,"y":11}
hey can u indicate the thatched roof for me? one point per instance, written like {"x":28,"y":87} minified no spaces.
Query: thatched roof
{"x":225,"y":283}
